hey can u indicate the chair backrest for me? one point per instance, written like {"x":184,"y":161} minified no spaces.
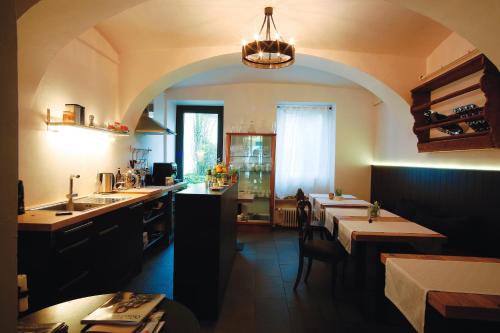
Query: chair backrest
{"x":300,"y":195}
{"x":304,"y":217}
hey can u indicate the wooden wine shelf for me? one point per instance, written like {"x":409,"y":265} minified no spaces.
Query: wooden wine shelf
{"x":426,"y":106}
{"x":489,"y":85}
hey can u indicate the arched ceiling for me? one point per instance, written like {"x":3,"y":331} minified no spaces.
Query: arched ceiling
{"x":371,"y":26}
{"x":296,"y":74}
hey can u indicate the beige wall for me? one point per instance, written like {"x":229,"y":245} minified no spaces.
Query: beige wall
{"x":84,"y":72}
{"x":397,"y":145}
{"x":452,"y":48}
{"x":257,"y":102}
{"x":8,"y":151}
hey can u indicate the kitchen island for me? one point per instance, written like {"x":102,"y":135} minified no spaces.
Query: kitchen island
{"x":205,"y":245}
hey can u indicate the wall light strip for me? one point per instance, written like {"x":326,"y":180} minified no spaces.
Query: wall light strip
{"x":438,"y":166}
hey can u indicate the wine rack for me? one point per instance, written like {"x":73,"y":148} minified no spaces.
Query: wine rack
{"x":482,"y":123}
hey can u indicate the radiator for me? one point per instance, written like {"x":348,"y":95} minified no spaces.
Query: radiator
{"x":287,"y":217}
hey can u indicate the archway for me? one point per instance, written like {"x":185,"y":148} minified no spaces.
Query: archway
{"x":365,"y":80}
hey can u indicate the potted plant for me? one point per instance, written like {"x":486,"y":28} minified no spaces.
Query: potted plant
{"x":373,"y":211}
{"x":338,"y":193}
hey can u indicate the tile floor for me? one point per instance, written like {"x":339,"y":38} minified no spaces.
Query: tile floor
{"x":260,"y":297}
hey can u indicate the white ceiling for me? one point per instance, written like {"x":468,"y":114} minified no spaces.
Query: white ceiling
{"x":372,"y":26}
{"x":242,"y":74}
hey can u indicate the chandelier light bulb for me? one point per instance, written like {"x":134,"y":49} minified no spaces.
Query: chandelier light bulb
{"x":256,"y":36}
{"x":261,"y":54}
{"x":243,"y":42}
{"x":291,"y":41}
{"x":277,"y":35}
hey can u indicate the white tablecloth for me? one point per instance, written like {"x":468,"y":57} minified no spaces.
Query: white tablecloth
{"x":319,"y":203}
{"x":346,"y":228}
{"x":407,"y":282}
{"x":333,"y":212}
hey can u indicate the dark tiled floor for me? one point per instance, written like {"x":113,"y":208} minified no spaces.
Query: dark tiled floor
{"x":260,"y":297}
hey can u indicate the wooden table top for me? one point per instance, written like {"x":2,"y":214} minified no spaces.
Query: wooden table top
{"x":458,"y":305}
{"x":378,"y":219}
{"x":178,"y":318}
{"x":365,"y":236}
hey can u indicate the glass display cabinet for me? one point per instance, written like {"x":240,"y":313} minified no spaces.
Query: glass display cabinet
{"x":253,"y":155}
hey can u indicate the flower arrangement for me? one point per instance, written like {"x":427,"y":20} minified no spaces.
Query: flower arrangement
{"x":219,"y":169}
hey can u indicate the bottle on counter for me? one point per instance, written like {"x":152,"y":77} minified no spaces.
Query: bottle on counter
{"x":119,"y":180}
{"x":208,"y":178}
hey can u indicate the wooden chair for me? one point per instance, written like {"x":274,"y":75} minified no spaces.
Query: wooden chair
{"x":315,"y":224}
{"x":319,"y":249}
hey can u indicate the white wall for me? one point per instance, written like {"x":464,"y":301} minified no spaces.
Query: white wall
{"x":397,"y":145}
{"x":257,"y":102}
{"x":84,"y":72}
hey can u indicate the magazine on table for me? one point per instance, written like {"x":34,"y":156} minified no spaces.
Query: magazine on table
{"x":23,"y":327}
{"x":151,"y":325}
{"x":124,"y":308}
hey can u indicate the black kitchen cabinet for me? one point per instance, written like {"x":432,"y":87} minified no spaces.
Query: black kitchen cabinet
{"x":157,"y":221}
{"x":91,"y":257}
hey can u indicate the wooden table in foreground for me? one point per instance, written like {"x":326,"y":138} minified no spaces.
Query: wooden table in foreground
{"x":458,"y":305}
{"x":178,"y":318}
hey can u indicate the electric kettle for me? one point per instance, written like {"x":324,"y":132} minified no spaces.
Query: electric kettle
{"x":105,"y":182}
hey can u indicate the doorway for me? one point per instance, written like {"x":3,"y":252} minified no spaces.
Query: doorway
{"x":198,"y":146}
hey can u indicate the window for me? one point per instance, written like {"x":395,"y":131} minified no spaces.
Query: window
{"x":305,"y":149}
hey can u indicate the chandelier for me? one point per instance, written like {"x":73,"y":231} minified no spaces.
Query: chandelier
{"x":266,"y":52}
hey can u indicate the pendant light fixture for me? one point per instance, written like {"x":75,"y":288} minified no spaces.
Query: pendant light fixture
{"x":266,"y":52}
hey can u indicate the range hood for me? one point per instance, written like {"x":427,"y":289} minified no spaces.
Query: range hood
{"x":148,"y":125}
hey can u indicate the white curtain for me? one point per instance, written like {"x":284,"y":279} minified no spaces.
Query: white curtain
{"x":305,"y":149}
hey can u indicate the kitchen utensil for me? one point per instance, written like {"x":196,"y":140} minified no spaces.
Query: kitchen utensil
{"x":105,"y":182}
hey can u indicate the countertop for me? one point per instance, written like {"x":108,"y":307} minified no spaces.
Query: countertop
{"x":45,"y":220}
{"x":202,"y":189}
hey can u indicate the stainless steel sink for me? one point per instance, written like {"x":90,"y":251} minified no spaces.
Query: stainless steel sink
{"x":77,"y":206}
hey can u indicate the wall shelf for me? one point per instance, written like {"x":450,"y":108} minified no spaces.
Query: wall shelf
{"x":489,"y":85}
{"x":55,"y":126}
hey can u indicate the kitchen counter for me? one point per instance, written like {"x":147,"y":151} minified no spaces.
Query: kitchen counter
{"x":202,"y":189}
{"x":45,"y":220}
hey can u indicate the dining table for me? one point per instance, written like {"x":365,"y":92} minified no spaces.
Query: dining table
{"x":364,"y":241}
{"x":346,"y":201}
{"x":460,"y":289}
{"x":334,"y":214}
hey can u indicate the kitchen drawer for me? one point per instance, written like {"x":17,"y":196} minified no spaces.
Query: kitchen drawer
{"x":71,"y":260}
{"x":74,"y":233}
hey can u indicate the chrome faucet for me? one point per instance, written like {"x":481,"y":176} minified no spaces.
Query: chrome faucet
{"x":70,"y":206}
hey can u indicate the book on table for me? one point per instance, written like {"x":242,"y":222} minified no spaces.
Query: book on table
{"x":124,"y":308}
